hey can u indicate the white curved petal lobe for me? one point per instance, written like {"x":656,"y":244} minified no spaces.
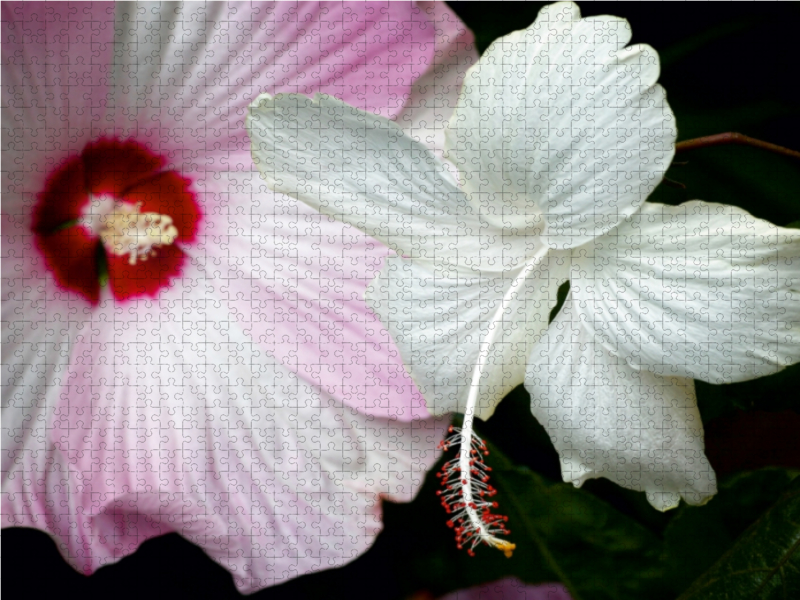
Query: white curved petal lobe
{"x":561,"y":120}
{"x":360,"y":168}
{"x":363,"y":170}
{"x":606,"y":419}
{"x":699,"y":290}
{"x":438,"y":322}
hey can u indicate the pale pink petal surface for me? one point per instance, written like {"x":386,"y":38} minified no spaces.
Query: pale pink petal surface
{"x":255,"y":405}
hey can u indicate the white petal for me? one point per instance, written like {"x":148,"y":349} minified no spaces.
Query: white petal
{"x":561,"y":120}
{"x":606,"y":419}
{"x":698,"y":290}
{"x":363,"y":170}
{"x":439,"y":322}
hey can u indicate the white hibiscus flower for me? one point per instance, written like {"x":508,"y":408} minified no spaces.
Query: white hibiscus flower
{"x":227,"y":382}
{"x":560,"y":134}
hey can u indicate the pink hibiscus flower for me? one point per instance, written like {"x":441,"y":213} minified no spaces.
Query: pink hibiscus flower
{"x":511,"y":588}
{"x":184,"y":350}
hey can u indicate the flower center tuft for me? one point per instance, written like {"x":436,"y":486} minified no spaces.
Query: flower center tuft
{"x":109,"y":209}
{"x":126,"y":230}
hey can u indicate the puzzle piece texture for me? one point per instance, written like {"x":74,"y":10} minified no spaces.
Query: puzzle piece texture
{"x":255,"y":255}
{"x":222,"y":378}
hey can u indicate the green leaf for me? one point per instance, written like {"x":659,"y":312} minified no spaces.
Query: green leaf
{"x":764,"y":563}
{"x":595,"y":551}
{"x":561,"y":296}
{"x":520,"y":437}
{"x":699,"y":535}
{"x":686,"y":47}
{"x":776,"y":392}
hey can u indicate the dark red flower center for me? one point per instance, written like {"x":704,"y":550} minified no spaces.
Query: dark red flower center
{"x":112,"y":213}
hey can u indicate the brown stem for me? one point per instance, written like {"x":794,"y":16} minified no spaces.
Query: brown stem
{"x":673,"y":183}
{"x":733,"y":138}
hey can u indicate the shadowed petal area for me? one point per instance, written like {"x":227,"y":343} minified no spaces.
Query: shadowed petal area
{"x":112,"y":166}
{"x":168,"y":194}
{"x":145,"y":278}
{"x":71,"y":256}
{"x":562,"y":120}
{"x":439,"y":322}
{"x":606,"y":419}
{"x":699,"y":290}
{"x":63,"y":197}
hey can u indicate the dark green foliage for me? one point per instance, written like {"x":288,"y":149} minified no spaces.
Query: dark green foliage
{"x":764,"y":563}
{"x":777,"y":392}
{"x":599,"y":549}
{"x":697,"y":537}
{"x":562,"y":534}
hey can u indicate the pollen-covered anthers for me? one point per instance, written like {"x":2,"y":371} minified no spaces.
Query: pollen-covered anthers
{"x":466,"y":495}
{"x":128,"y":231}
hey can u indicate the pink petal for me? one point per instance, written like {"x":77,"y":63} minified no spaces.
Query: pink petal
{"x":56,"y":58}
{"x":138,"y":436}
{"x":168,"y":414}
{"x":511,"y":588}
{"x":368,"y":54}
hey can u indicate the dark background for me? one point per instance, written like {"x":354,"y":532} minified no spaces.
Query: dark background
{"x":726,"y":67}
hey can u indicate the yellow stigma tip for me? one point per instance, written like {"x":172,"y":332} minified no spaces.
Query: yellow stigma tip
{"x":507,"y":547}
